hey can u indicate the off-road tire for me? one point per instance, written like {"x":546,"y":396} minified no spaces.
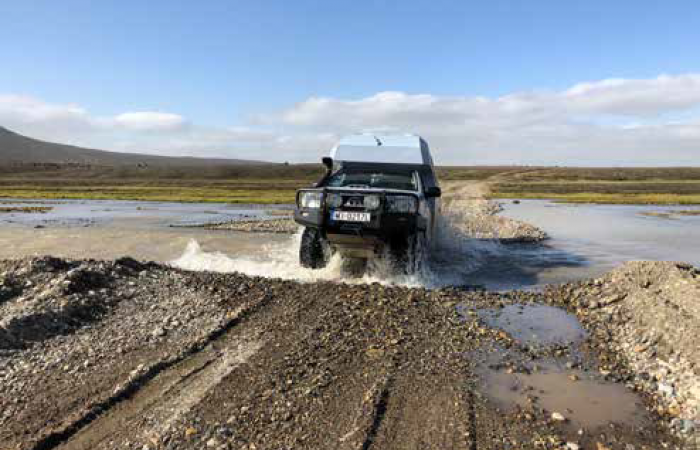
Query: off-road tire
{"x":353,"y":267}
{"x":314,"y":252}
{"x":417,"y":254}
{"x":409,"y":253}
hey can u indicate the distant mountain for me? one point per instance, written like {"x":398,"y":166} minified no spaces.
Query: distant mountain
{"x":18,"y":149}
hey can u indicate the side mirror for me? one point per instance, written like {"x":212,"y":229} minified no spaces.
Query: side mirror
{"x":328,"y":162}
{"x":432,"y":192}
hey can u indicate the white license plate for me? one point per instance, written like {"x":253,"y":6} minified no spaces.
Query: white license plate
{"x":348,"y":216}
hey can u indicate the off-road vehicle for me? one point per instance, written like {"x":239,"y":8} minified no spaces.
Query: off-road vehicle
{"x":378,"y":198}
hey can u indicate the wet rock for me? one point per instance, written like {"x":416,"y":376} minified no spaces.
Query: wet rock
{"x":283,"y":226}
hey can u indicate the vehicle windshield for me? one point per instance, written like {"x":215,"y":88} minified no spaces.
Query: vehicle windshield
{"x":407,"y":181}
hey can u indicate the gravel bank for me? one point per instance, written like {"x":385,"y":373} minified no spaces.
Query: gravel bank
{"x":467,"y":208}
{"x":648,"y":314}
{"x":284,"y":226}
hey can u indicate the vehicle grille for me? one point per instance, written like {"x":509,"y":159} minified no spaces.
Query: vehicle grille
{"x":354,"y":202}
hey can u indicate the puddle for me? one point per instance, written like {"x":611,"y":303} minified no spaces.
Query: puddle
{"x":571,"y":386}
{"x":535,"y":324}
{"x":580,"y":396}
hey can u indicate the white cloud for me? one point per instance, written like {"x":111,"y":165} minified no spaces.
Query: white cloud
{"x":150,"y":121}
{"x":588,"y":123}
{"x":652,"y":121}
{"x":18,"y":110}
{"x":636,"y":97}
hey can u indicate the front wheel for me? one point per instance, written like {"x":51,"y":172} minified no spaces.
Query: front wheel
{"x":417,"y":254}
{"x":409,"y":253}
{"x":314,"y":252}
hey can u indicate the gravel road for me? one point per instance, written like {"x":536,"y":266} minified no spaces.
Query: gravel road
{"x":130,"y":355}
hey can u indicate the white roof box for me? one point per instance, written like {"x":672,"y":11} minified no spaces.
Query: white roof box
{"x":382,"y":148}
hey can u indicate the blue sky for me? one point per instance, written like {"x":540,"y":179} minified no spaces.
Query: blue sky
{"x":246,"y":66}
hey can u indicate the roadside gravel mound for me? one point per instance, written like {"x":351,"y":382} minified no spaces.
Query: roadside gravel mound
{"x":48,"y":296}
{"x":67,"y":352}
{"x":467,"y":208}
{"x":649,"y":312}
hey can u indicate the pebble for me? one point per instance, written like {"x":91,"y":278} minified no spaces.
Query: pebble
{"x":688,"y":426}
{"x":558,"y":417}
{"x":158,"y":332}
{"x":665,"y":389}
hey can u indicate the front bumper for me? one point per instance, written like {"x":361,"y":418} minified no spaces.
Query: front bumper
{"x":365,"y":239}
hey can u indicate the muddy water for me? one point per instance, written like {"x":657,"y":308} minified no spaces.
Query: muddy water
{"x":581,"y":397}
{"x":540,"y":324}
{"x":570,"y":385}
{"x":68,"y":213}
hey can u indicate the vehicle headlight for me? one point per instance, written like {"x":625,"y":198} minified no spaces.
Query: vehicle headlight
{"x":334,"y":200}
{"x":310,"y":200}
{"x":371,"y":201}
{"x":401,"y":204}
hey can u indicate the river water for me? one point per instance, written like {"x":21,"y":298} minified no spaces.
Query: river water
{"x":108,"y":229}
{"x":586,"y":241}
{"x":589,"y":240}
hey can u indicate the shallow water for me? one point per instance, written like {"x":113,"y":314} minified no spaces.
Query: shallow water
{"x":569,"y":385}
{"x":587,"y":240}
{"x":143,"y":230}
{"x":585,"y":400}
{"x":607,"y":235}
{"x":147,"y":214}
{"x":532,"y":323}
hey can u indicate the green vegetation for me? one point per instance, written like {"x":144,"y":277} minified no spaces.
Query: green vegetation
{"x":155,"y":193}
{"x":278,"y":183}
{"x":219,"y":184}
{"x":621,"y":186}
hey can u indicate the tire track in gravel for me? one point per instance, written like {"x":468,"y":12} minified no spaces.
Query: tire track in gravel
{"x":380,"y":406}
{"x":425,"y":412}
{"x":170,"y":395}
{"x":368,"y":418}
{"x":345,"y":369}
{"x":140,"y":392}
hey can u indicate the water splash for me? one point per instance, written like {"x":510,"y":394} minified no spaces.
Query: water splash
{"x":453,"y":257}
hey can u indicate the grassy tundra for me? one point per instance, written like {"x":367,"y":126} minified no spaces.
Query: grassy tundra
{"x":602,"y":185}
{"x":277,"y":183}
